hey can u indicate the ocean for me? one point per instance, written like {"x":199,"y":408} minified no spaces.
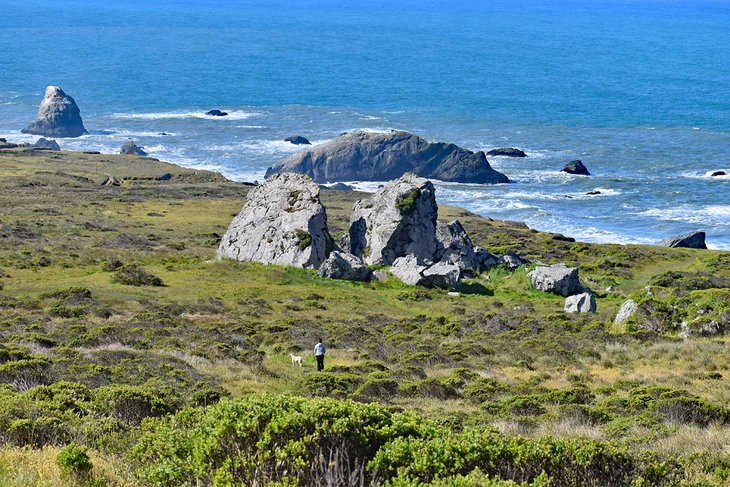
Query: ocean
{"x":637,"y":90}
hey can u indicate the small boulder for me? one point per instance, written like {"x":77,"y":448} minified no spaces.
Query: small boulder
{"x":46,"y":144}
{"x":398,"y":220}
{"x":216,"y":113}
{"x":298,"y":140}
{"x":408,"y":269}
{"x":131,"y":149}
{"x":58,"y":116}
{"x":487,"y":260}
{"x":576,"y":167}
{"x":718,"y":173}
{"x":455,"y":246}
{"x":346,"y":267}
{"x":512,"y":260}
{"x":693,"y":240}
{"x":282,"y":222}
{"x":443,"y":275}
{"x":580,"y":303}
{"x":627,"y":310}
{"x":507,"y":152}
{"x":557,"y":279}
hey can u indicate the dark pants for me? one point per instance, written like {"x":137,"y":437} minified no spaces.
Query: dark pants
{"x":320,"y":362}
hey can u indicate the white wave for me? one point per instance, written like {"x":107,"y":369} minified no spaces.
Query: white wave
{"x":709,"y":215}
{"x":707,"y":175}
{"x":232,"y":115}
{"x":367,"y":117}
{"x":250,"y":127}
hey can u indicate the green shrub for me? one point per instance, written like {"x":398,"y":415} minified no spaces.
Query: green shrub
{"x":135,"y":275}
{"x":74,"y":461}
{"x":304,"y":239}
{"x":408,"y":204}
{"x":130,"y":404}
{"x":377,"y":386}
{"x":328,"y":384}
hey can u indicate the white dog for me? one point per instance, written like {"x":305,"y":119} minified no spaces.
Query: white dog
{"x":296,"y":359}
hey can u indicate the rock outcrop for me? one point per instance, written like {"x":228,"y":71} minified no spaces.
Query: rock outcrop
{"x":580,"y":303}
{"x":46,"y":144}
{"x":627,"y":310}
{"x":455,"y":247}
{"x":409,"y":270}
{"x":298,"y":140}
{"x":368,"y":156}
{"x":507,"y":152}
{"x":576,"y":167}
{"x":443,"y":275}
{"x":417,"y":272}
{"x":557,"y":279}
{"x":346,"y":267}
{"x":282,"y":222}
{"x":398,"y":220}
{"x":216,"y":113}
{"x":718,"y":173}
{"x":132,"y":149}
{"x":58,"y":116}
{"x":693,"y":240}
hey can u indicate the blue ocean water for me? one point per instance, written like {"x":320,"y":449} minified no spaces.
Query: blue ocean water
{"x":638,"y":90}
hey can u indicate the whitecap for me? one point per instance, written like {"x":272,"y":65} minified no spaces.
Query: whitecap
{"x":232,"y":115}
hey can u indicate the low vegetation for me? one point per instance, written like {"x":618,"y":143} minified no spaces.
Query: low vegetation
{"x":129,"y":355}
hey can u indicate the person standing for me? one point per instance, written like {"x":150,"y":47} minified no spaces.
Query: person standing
{"x":319,"y":351}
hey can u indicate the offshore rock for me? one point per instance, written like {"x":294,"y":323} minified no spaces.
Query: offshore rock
{"x":216,"y":113}
{"x":58,"y":116}
{"x":46,"y":144}
{"x":576,"y":167}
{"x":718,"y":173}
{"x":398,"y":220}
{"x":343,"y":266}
{"x":298,"y":140}
{"x":556,"y":279}
{"x":368,"y":156}
{"x":282,"y":222}
{"x":580,"y":303}
{"x":132,"y":149}
{"x":693,"y":240}
{"x":507,"y":152}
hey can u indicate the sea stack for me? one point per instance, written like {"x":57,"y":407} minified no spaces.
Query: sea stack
{"x":58,"y":116}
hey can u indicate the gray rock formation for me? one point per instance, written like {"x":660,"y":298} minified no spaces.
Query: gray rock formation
{"x":132,"y":149}
{"x":282,"y":222}
{"x":512,"y":261}
{"x":347,"y":267}
{"x":704,"y":328}
{"x":443,"y":275}
{"x":625,"y":312}
{"x":368,"y":156}
{"x":557,"y":279}
{"x":216,"y":113}
{"x":693,"y":240}
{"x":718,"y":173}
{"x":455,"y":247}
{"x":409,"y":269}
{"x":398,"y":220}
{"x":507,"y":152}
{"x":46,"y":144}
{"x":580,"y":303}
{"x":298,"y":140}
{"x":576,"y":167}
{"x":58,"y":116}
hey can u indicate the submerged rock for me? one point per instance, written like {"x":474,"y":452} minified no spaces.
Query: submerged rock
{"x":58,"y":116}
{"x":576,"y":167}
{"x":580,"y":303}
{"x":343,"y":266}
{"x":693,"y":240}
{"x":216,"y":113}
{"x":282,"y":222}
{"x":557,"y":279}
{"x":718,"y":173}
{"x":132,"y":149}
{"x":398,"y":220}
{"x":368,"y":156}
{"x":46,"y":144}
{"x":507,"y":152}
{"x":298,"y":140}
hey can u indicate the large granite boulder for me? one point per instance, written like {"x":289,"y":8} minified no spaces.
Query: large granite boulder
{"x":507,"y":152}
{"x":282,"y":222}
{"x":298,"y":140}
{"x":369,"y":156}
{"x":58,"y":116}
{"x":346,"y":267}
{"x":398,"y":220}
{"x":417,"y":272}
{"x":580,"y":303}
{"x":132,"y":149}
{"x":455,"y":247}
{"x":694,"y":240}
{"x":627,"y":310}
{"x":576,"y":167}
{"x":46,"y":144}
{"x":443,"y":275}
{"x":556,"y":279}
{"x":409,"y":269}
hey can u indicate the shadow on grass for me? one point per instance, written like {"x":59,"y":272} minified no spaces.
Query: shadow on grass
{"x":475,"y":288}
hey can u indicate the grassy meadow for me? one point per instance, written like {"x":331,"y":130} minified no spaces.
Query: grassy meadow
{"x":119,"y":329}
